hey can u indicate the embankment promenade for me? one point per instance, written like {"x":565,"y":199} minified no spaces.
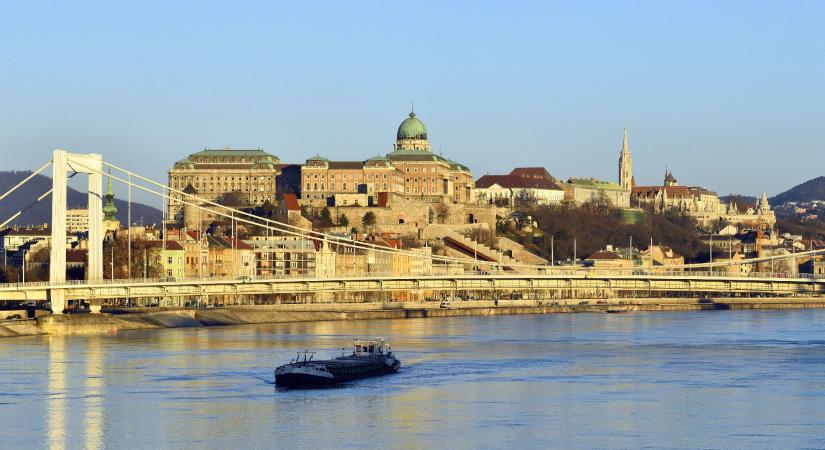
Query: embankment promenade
{"x":112,"y":321}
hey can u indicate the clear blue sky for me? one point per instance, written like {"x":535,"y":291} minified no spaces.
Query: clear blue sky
{"x":729,"y":95}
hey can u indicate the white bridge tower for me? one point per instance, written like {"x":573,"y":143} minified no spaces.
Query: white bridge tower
{"x":91,"y":164}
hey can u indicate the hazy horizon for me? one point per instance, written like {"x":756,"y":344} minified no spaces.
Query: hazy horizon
{"x":727,"y":96}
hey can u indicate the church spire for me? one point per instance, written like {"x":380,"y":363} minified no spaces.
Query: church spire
{"x":625,"y":166}
{"x":109,"y":209}
{"x":625,"y":149}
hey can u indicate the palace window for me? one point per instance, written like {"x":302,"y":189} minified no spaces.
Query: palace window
{"x":307,"y":186}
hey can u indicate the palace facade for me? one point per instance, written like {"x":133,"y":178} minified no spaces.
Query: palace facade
{"x":411,"y":170}
{"x":213,"y":173}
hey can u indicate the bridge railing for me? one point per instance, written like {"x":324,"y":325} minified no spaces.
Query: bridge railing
{"x":437,"y":272}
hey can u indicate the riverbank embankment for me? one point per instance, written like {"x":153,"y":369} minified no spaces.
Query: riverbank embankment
{"x":114,"y":320}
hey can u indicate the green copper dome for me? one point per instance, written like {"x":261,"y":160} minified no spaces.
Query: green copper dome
{"x":412,"y":128}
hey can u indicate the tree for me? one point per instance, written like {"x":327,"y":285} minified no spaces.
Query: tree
{"x":368,"y":220}
{"x":525,"y":199}
{"x":326,"y":218}
{"x":442,"y":212}
{"x":343,"y":221}
{"x":234,"y":199}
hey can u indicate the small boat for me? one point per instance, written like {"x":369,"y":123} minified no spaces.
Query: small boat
{"x":369,"y":358}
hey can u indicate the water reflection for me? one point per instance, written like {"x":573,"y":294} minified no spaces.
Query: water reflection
{"x":93,"y":420}
{"x":632,"y":380}
{"x":57,"y":392}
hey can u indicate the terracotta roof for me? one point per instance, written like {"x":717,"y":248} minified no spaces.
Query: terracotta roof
{"x":346,"y":164}
{"x":532,"y":172}
{"x":170,"y":245}
{"x":672,"y":191}
{"x":226,"y":243}
{"x":512,"y":181}
{"x":291,"y":202}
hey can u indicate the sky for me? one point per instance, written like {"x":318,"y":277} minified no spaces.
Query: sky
{"x":727,"y":95}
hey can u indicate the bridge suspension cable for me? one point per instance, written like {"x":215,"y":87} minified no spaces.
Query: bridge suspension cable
{"x":287,"y":228}
{"x":291,"y":229}
{"x":25,"y":180}
{"x":18,"y":213}
{"x":17,"y":186}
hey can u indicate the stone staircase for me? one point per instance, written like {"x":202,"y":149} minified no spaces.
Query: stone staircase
{"x":520,"y":253}
{"x":470,"y":248}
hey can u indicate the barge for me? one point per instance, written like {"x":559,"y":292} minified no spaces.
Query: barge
{"x":369,"y":358}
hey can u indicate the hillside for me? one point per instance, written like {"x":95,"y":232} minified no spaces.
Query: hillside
{"x":808,"y":191}
{"x":742,"y":201}
{"x":41,"y":212}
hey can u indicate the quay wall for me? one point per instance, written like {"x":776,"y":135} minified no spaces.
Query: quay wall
{"x":116,"y":320}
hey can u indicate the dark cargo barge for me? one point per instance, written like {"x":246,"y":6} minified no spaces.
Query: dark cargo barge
{"x":368,"y":359}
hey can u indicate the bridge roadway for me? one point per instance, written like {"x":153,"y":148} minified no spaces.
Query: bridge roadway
{"x":754,"y":284}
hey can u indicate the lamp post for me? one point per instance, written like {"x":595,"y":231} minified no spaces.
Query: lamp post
{"x":24,"y":265}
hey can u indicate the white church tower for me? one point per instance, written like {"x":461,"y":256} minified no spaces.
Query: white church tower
{"x":625,"y":166}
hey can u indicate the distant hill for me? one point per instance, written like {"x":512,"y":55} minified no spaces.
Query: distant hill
{"x":810,"y":190}
{"x":42,"y":212}
{"x":740,"y":200}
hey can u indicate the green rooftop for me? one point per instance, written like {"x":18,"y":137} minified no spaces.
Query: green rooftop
{"x":231,"y":152}
{"x":593,"y":183}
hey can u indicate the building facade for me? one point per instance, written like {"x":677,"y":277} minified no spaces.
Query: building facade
{"x":701,"y":204}
{"x":532,"y":182}
{"x":411,"y":170}
{"x":251,"y":174}
{"x":326,"y":182}
{"x":77,"y":220}
{"x":584,"y":190}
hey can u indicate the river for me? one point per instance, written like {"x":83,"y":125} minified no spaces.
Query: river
{"x":734,"y":379}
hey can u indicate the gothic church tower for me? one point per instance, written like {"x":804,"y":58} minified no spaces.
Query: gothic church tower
{"x":625,"y":166}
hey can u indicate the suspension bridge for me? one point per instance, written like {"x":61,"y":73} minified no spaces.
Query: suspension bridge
{"x":475,"y":277}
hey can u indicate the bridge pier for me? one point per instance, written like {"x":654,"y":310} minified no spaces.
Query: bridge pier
{"x":57,"y":299}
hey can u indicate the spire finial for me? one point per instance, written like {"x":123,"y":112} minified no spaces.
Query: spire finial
{"x":109,"y":182}
{"x":624,"y":143}
{"x":412,"y":108}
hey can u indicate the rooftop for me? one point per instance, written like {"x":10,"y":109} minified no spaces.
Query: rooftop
{"x":594,"y":183}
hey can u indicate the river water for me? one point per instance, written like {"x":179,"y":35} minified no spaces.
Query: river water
{"x":733,"y":379}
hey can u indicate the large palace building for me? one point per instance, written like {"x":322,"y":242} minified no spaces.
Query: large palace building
{"x":411,"y":170}
{"x":211,"y":174}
